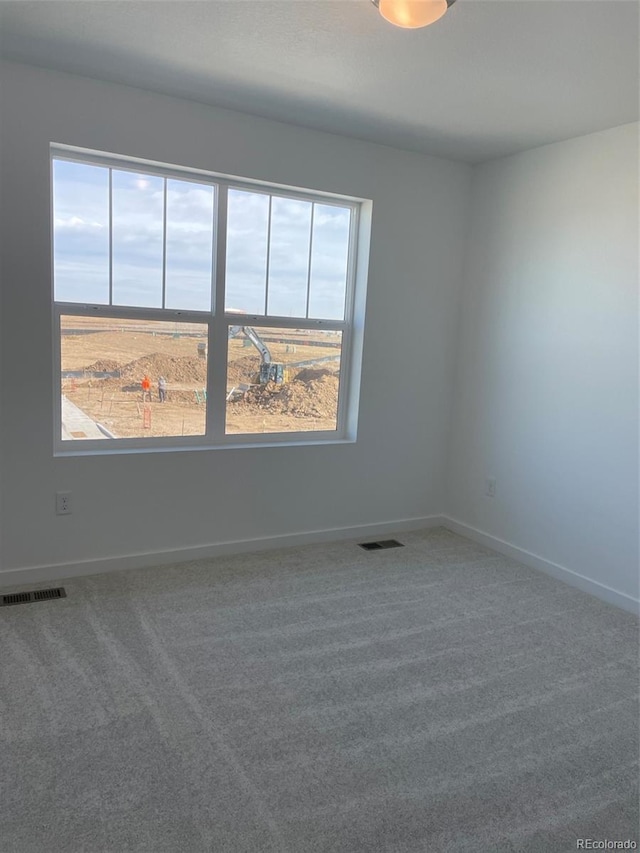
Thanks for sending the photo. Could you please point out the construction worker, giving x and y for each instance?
(146, 388)
(162, 389)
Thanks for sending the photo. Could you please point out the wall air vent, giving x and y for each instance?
(29, 597)
(385, 543)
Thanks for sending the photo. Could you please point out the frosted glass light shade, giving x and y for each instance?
(412, 13)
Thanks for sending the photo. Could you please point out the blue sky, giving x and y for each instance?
(81, 245)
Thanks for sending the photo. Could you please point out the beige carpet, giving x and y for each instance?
(436, 697)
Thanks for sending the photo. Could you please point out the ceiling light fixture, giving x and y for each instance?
(411, 14)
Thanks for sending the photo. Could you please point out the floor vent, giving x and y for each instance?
(28, 597)
(385, 543)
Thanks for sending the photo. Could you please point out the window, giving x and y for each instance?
(192, 309)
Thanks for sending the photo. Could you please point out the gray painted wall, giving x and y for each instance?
(546, 397)
(136, 503)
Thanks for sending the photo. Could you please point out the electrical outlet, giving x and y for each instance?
(63, 503)
(490, 487)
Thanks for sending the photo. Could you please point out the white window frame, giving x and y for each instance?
(217, 321)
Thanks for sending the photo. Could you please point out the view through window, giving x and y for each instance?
(282, 380)
(162, 336)
(132, 378)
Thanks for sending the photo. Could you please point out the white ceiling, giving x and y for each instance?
(491, 78)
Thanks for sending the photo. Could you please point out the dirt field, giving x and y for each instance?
(109, 359)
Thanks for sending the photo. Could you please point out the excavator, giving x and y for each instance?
(269, 371)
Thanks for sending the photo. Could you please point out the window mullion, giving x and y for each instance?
(110, 236)
(266, 274)
(351, 266)
(57, 377)
(313, 210)
(260, 321)
(217, 351)
(164, 246)
(130, 312)
(345, 373)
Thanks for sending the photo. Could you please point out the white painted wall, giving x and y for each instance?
(546, 398)
(128, 504)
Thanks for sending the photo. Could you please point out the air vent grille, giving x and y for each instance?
(29, 597)
(45, 594)
(16, 598)
(385, 543)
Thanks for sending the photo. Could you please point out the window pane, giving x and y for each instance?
(104, 363)
(282, 380)
(247, 228)
(289, 257)
(189, 245)
(80, 232)
(137, 226)
(329, 261)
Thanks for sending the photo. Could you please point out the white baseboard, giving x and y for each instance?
(79, 568)
(599, 590)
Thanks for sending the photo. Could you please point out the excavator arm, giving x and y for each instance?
(255, 339)
(269, 372)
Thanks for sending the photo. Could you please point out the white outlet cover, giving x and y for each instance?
(63, 503)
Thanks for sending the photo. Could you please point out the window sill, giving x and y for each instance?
(182, 448)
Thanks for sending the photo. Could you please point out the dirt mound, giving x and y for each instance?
(181, 369)
(315, 398)
(103, 365)
(243, 369)
(312, 374)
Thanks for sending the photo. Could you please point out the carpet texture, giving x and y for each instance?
(436, 697)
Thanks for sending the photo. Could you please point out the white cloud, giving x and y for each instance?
(77, 223)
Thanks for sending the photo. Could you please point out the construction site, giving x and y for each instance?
(134, 379)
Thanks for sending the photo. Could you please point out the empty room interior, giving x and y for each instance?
(319, 426)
